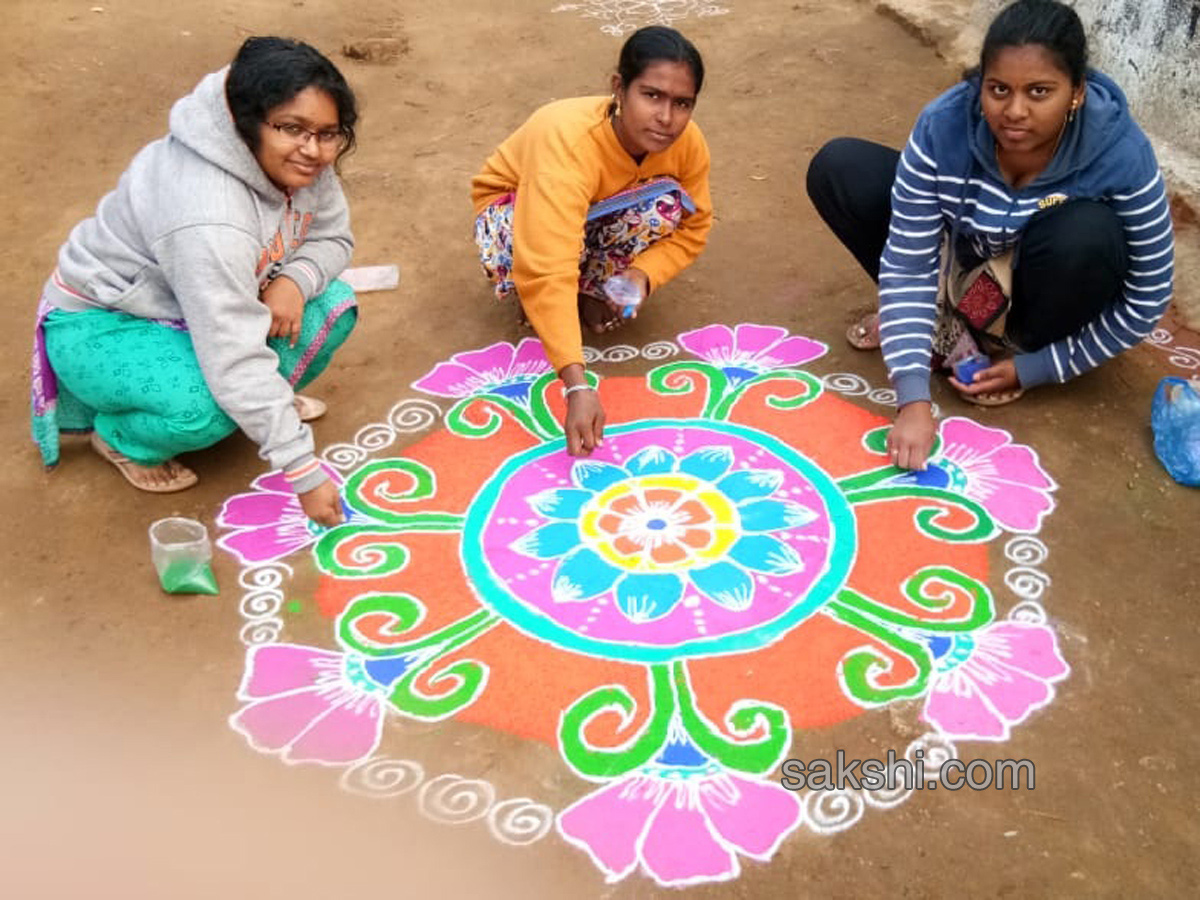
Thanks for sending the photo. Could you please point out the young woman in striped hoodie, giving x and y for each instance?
(1026, 217)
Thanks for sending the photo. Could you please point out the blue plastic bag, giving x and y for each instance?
(1175, 418)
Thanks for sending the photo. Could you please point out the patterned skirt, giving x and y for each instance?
(617, 229)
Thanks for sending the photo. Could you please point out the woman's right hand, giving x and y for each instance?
(911, 438)
(584, 425)
(323, 504)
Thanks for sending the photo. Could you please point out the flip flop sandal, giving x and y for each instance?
(994, 398)
(864, 334)
(310, 408)
(184, 477)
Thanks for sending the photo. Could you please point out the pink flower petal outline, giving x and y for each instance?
(679, 848)
(1006, 478)
(751, 340)
(274, 669)
(753, 816)
(259, 508)
(1009, 675)
(609, 824)
(712, 342)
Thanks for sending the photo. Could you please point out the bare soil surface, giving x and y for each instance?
(120, 776)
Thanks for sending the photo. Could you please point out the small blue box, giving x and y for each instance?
(965, 369)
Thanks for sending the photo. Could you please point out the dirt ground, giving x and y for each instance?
(119, 775)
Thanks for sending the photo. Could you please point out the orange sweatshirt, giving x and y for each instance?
(562, 160)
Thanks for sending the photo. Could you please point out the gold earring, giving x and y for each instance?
(616, 106)
(1071, 114)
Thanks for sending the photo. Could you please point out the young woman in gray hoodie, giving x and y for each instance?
(201, 295)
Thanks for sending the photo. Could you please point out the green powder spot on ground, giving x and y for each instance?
(295, 607)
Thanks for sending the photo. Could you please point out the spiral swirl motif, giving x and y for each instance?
(828, 812)
(1026, 551)
(1184, 357)
(937, 750)
(261, 631)
(1027, 583)
(883, 396)
(520, 821)
(454, 800)
(343, 456)
(1029, 612)
(591, 355)
(847, 383)
(1159, 337)
(261, 604)
(381, 778)
(409, 416)
(375, 436)
(620, 353)
(659, 350)
(266, 577)
(888, 798)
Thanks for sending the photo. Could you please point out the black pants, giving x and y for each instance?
(1069, 266)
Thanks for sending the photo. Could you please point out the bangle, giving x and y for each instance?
(568, 391)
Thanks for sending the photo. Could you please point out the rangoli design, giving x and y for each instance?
(736, 564)
(623, 16)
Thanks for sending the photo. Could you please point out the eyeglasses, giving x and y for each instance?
(298, 134)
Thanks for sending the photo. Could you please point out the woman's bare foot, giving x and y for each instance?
(597, 315)
(165, 478)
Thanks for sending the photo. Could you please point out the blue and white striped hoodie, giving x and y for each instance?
(948, 181)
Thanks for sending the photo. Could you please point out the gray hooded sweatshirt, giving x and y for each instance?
(192, 231)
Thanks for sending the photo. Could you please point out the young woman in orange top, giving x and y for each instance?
(595, 195)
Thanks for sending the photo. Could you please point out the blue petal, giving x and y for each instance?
(707, 463)
(682, 752)
(772, 515)
(939, 645)
(514, 390)
(750, 484)
(765, 554)
(739, 374)
(581, 576)
(651, 461)
(724, 583)
(644, 598)
(592, 475)
(930, 476)
(560, 503)
(388, 669)
(549, 541)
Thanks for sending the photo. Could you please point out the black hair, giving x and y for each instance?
(270, 71)
(657, 43)
(1046, 23)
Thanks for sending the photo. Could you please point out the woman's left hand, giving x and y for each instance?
(995, 378)
(642, 280)
(286, 303)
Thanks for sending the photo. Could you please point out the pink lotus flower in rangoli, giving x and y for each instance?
(681, 832)
(499, 369)
(310, 705)
(268, 523)
(748, 350)
(984, 464)
(993, 679)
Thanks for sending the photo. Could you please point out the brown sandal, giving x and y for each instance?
(181, 478)
(864, 334)
(994, 398)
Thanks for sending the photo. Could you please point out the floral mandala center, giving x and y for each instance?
(660, 523)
